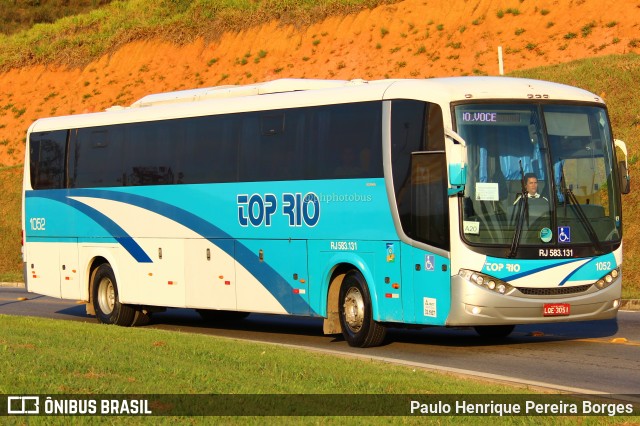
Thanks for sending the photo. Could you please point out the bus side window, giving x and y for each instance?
(209, 153)
(47, 159)
(419, 171)
(429, 199)
(281, 145)
(150, 154)
(96, 157)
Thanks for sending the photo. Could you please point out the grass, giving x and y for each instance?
(168, 361)
(586, 30)
(44, 356)
(21, 15)
(77, 40)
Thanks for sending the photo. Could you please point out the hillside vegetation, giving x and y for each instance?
(124, 50)
(20, 15)
(77, 40)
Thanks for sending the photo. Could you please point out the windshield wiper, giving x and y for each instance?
(571, 199)
(521, 213)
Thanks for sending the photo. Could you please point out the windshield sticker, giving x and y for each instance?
(564, 234)
(546, 235)
(487, 191)
(471, 227)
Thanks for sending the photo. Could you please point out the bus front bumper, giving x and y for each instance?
(472, 305)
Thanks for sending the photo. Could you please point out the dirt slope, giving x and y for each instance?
(411, 39)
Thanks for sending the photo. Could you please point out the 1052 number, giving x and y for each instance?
(38, 223)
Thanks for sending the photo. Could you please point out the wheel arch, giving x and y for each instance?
(332, 281)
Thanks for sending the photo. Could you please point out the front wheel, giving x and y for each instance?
(106, 303)
(356, 319)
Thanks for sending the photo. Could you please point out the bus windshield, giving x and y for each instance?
(539, 175)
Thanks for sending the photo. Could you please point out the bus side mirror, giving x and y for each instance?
(457, 163)
(457, 174)
(623, 168)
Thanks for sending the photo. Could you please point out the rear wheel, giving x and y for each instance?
(106, 303)
(356, 319)
(494, 331)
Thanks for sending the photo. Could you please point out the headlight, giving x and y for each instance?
(485, 281)
(608, 279)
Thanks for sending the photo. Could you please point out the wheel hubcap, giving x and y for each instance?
(354, 309)
(106, 296)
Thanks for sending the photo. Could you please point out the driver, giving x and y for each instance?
(531, 185)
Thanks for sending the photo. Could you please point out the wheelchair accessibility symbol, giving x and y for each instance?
(429, 262)
(564, 234)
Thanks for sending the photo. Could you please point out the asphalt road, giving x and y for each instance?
(584, 357)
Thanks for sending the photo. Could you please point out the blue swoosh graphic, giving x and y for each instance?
(111, 227)
(540, 269)
(264, 273)
(575, 271)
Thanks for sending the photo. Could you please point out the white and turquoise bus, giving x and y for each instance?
(370, 204)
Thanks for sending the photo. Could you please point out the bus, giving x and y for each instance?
(370, 204)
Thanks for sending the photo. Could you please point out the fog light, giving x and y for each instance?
(616, 303)
(475, 310)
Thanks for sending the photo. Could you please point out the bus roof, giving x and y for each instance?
(275, 86)
(292, 93)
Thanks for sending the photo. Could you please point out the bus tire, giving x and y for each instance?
(494, 331)
(141, 317)
(356, 317)
(106, 303)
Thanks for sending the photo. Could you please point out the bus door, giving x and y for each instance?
(430, 272)
(272, 276)
(430, 278)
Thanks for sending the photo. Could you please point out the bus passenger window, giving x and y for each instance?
(47, 152)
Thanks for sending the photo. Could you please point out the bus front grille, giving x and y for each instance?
(554, 291)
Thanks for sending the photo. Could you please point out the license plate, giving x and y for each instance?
(556, 309)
